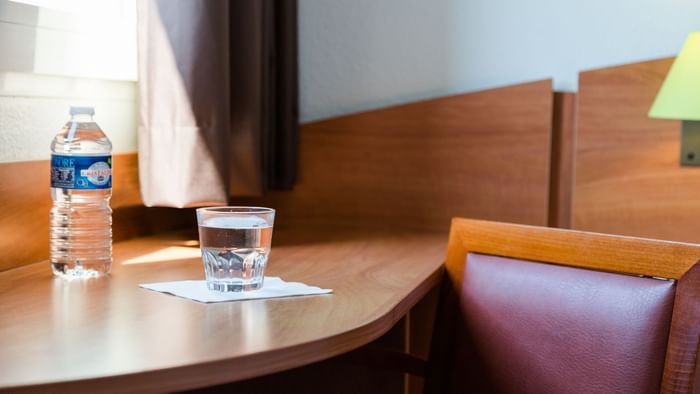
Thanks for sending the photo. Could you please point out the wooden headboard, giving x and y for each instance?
(481, 155)
(628, 177)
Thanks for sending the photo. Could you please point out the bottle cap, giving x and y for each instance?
(82, 110)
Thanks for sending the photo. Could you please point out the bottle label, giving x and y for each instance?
(81, 172)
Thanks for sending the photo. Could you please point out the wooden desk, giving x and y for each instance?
(112, 336)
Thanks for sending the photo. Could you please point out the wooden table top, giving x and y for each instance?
(111, 335)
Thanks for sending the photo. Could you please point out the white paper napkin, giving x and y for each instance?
(196, 290)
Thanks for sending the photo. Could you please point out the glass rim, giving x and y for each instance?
(237, 209)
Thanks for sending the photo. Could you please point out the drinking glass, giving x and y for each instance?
(235, 244)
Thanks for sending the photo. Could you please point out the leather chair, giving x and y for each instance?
(541, 310)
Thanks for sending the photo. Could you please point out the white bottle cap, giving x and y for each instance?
(82, 110)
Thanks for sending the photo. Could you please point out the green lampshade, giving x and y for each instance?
(679, 96)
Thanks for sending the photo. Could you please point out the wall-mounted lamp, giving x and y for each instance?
(679, 98)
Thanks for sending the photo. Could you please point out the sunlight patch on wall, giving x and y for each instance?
(77, 38)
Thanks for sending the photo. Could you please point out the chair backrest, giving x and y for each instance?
(541, 310)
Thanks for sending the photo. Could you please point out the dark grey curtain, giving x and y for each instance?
(218, 99)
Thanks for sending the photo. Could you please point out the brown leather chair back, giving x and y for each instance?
(542, 328)
(519, 318)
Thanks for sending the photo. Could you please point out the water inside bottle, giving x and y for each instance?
(81, 219)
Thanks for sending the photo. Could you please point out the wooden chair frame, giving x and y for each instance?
(629, 255)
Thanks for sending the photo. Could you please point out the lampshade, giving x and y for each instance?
(679, 96)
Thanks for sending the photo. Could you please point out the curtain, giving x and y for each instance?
(218, 109)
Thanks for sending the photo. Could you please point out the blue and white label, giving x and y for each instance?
(81, 172)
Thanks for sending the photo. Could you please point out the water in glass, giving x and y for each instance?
(235, 251)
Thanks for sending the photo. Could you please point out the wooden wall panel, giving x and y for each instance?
(628, 177)
(25, 201)
(415, 166)
(482, 155)
(562, 159)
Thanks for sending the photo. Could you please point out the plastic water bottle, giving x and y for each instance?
(81, 186)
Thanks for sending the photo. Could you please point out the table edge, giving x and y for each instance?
(245, 367)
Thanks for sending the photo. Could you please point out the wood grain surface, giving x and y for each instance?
(419, 333)
(603, 252)
(483, 155)
(25, 201)
(109, 335)
(612, 253)
(562, 159)
(628, 177)
(682, 363)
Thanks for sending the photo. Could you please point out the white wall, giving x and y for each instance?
(363, 54)
(76, 38)
(58, 53)
(34, 107)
